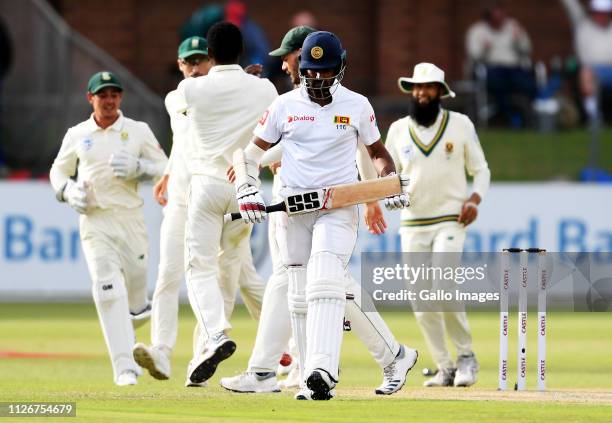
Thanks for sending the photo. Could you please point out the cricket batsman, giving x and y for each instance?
(110, 154)
(435, 147)
(275, 325)
(320, 126)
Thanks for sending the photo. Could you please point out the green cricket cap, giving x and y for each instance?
(102, 80)
(292, 40)
(191, 46)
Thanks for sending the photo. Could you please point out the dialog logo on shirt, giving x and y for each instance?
(296, 118)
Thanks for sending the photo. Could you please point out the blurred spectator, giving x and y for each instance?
(304, 18)
(6, 57)
(502, 45)
(256, 45)
(593, 44)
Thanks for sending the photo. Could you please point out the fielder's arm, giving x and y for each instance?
(64, 166)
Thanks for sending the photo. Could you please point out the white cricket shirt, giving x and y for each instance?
(223, 108)
(92, 146)
(182, 147)
(436, 158)
(319, 142)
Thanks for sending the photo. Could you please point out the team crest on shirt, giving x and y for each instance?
(449, 147)
(87, 144)
(124, 136)
(345, 120)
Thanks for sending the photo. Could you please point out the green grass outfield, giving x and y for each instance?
(531, 156)
(580, 374)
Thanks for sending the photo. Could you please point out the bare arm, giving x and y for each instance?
(264, 145)
(381, 158)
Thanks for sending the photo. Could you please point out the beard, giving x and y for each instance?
(425, 114)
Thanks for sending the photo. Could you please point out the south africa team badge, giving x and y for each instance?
(449, 148)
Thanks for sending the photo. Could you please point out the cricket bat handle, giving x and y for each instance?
(278, 207)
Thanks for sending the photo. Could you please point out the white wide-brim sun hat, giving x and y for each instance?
(424, 73)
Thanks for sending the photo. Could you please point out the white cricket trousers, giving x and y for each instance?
(164, 319)
(316, 248)
(274, 328)
(115, 247)
(441, 238)
(209, 198)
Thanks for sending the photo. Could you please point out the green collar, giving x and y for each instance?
(427, 149)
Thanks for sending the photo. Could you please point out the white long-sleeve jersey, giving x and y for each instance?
(182, 148)
(90, 146)
(223, 108)
(436, 159)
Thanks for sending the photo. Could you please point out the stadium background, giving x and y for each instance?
(52, 350)
(57, 45)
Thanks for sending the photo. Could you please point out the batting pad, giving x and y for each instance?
(297, 310)
(326, 302)
(324, 331)
(326, 277)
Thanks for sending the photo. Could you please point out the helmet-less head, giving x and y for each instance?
(322, 64)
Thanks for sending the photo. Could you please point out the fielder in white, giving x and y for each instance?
(223, 108)
(111, 153)
(435, 147)
(192, 62)
(320, 126)
(275, 324)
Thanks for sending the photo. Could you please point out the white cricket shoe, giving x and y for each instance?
(154, 359)
(444, 377)
(321, 385)
(218, 348)
(189, 383)
(305, 394)
(292, 380)
(285, 365)
(467, 367)
(251, 382)
(126, 378)
(394, 375)
(141, 317)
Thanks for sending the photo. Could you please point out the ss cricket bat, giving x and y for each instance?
(334, 197)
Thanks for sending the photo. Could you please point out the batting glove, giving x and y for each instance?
(402, 200)
(251, 205)
(75, 194)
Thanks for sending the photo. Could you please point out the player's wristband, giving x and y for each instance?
(471, 204)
